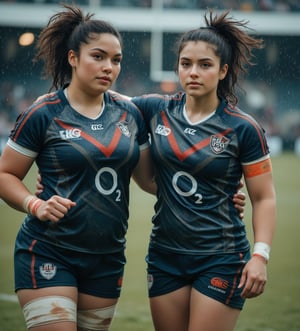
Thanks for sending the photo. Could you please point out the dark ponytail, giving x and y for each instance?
(231, 43)
(67, 30)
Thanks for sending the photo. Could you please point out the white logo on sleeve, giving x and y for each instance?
(162, 130)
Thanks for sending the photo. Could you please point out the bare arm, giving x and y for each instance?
(262, 195)
(13, 168)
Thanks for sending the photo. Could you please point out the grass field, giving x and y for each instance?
(278, 309)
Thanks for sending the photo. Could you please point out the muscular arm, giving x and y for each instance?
(13, 168)
(262, 195)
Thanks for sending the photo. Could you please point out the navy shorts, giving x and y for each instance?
(215, 276)
(39, 265)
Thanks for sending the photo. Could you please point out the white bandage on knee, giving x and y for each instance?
(49, 309)
(95, 319)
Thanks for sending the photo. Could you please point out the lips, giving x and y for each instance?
(104, 79)
(194, 84)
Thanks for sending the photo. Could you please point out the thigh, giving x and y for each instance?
(170, 312)
(86, 302)
(26, 295)
(95, 313)
(210, 315)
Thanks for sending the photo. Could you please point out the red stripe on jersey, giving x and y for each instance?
(201, 144)
(107, 151)
(261, 138)
(32, 264)
(30, 114)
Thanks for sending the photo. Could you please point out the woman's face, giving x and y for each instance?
(199, 69)
(99, 63)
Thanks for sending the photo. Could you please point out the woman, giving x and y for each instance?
(200, 270)
(87, 142)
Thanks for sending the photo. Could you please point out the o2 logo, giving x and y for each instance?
(107, 191)
(192, 191)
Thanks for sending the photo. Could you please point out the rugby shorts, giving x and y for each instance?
(216, 276)
(39, 264)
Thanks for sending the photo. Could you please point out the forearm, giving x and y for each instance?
(264, 220)
(13, 191)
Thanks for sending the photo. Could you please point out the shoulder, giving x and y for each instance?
(40, 113)
(49, 99)
(158, 101)
(250, 133)
(239, 117)
(119, 100)
(115, 96)
(45, 103)
(122, 103)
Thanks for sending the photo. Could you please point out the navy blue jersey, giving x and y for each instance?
(198, 168)
(89, 161)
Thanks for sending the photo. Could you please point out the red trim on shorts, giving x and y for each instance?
(234, 284)
(32, 264)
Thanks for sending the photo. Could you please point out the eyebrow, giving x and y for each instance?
(104, 52)
(201, 59)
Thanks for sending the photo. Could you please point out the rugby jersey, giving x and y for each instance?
(198, 168)
(89, 161)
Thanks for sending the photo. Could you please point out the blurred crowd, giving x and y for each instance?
(244, 5)
(14, 99)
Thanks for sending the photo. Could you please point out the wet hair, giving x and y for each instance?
(231, 43)
(67, 30)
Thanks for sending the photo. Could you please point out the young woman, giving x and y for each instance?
(87, 142)
(200, 270)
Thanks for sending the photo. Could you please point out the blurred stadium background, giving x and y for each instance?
(150, 29)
